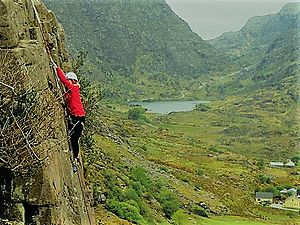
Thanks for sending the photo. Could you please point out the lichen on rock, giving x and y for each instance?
(39, 186)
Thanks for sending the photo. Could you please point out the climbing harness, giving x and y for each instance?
(81, 181)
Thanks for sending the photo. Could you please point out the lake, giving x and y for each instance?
(165, 107)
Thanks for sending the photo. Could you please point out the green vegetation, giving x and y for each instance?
(296, 159)
(230, 221)
(266, 54)
(165, 169)
(136, 113)
(202, 107)
(128, 193)
(264, 179)
(169, 202)
(126, 210)
(184, 167)
(197, 210)
(138, 49)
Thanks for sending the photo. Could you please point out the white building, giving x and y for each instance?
(276, 164)
(290, 163)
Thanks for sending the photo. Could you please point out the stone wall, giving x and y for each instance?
(51, 193)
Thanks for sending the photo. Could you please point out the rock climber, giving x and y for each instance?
(75, 110)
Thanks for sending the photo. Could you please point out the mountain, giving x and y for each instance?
(266, 51)
(141, 41)
(255, 38)
(198, 167)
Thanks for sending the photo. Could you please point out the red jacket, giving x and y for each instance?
(72, 95)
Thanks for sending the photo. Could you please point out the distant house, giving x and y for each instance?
(281, 164)
(276, 164)
(290, 164)
(284, 191)
(264, 197)
(292, 191)
(292, 202)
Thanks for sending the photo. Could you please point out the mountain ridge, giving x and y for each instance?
(198, 167)
(266, 52)
(139, 49)
(259, 31)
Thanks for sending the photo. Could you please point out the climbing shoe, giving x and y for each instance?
(75, 165)
(75, 168)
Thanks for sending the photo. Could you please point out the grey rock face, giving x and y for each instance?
(51, 193)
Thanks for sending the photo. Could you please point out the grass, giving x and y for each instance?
(174, 147)
(230, 220)
(182, 218)
(280, 173)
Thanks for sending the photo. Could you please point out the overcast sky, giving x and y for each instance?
(211, 18)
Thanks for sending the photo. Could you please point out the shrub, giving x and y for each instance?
(138, 187)
(131, 194)
(113, 189)
(144, 147)
(200, 172)
(202, 107)
(169, 202)
(296, 159)
(136, 113)
(264, 179)
(272, 189)
(133, 203)
(139, 174)
(125, 211)
(199, 211)
(213, 148)
(87, 141)
(261, 164)
(180, 218)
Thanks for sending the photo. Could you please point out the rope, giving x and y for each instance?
(52, 61)
(82, 187)
(41, 28)
(45, 42)
(48, 52)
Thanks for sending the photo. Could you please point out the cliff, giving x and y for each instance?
(37, 184)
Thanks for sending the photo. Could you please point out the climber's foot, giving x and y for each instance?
(75, 165)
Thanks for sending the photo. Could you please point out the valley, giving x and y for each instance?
(220, 162)
(198, 167)
(214, 159)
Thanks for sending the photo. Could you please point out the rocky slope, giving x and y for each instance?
(260, 35)
(40, 188)
(143, 35)
(136, 45)
(266, 51)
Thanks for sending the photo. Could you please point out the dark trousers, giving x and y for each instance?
(75, 127)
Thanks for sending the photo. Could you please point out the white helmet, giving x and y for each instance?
(71, 76)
